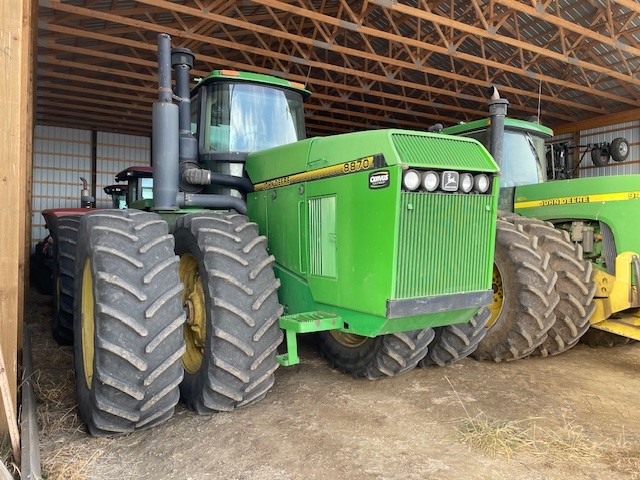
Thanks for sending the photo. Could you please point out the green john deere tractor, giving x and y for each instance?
(375, 241)
(583, 232)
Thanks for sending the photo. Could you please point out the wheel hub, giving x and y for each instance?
(87, 323)
(193, 299)
(349, 340)
(498, 297)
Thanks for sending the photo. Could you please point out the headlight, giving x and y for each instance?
(466, 182)
(481, 183)
(430, 181)
(411, 180)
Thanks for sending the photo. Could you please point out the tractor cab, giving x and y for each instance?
(524, 161)
(233, 114)
(118, 194)
(245, 112)
(139, 189)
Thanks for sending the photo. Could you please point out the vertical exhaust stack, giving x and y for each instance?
(497, 112)
(165, 134)
(86, 199)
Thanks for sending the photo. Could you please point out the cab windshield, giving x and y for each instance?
(245, 117)
(524, 161)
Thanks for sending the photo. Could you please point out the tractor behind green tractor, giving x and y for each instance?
(377, 242)
(582, 229)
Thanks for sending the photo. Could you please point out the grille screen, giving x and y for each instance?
(454, 231)
(442, 153)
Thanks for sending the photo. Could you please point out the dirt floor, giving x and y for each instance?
(570, 416)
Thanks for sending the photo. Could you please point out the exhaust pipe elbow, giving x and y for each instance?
(493, 93)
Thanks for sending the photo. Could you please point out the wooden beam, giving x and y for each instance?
(371, 55)
(517, 43)
(320, 64)
(30, 464)
(15, 68)
(599, 121)
(425, 46)
(540, 12)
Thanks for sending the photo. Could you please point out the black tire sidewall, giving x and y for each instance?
(83, 392)
(599, 158)
(508, 315)
(241, 308)
(353, 360)
(615, 149)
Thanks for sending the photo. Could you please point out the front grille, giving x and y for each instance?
(443, 244)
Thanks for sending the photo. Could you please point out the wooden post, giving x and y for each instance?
(9, 411)
(30, 59)
(15, 136)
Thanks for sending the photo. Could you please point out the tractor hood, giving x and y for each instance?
(330, 156)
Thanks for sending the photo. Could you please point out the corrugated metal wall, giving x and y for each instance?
(629, 130)
(62, 155)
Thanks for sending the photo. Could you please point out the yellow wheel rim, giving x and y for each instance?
(498, 297)
(350, 340)
(195, 330)
(87, 323)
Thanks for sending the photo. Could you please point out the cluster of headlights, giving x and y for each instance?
(446, 181)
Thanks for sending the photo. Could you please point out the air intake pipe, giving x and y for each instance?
(182, 62)
(165, 134)
(192, 176)
(201, 176)
(225, 202)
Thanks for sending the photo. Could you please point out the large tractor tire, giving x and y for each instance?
(524, 296)
(574, 285)
(64, 278)
(594, 338)
(372, 358)
(455, 342)
(128, 322)
(230, 294)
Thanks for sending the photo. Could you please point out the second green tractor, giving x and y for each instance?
(579, 234)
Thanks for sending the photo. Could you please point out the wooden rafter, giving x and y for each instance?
(371, 64)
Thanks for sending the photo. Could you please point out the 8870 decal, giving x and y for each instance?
(357, 165)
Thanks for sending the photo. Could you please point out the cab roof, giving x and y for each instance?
(234, 75)
(509, 123)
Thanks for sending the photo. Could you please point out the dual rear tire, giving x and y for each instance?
(145, 317)
(543, 291)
